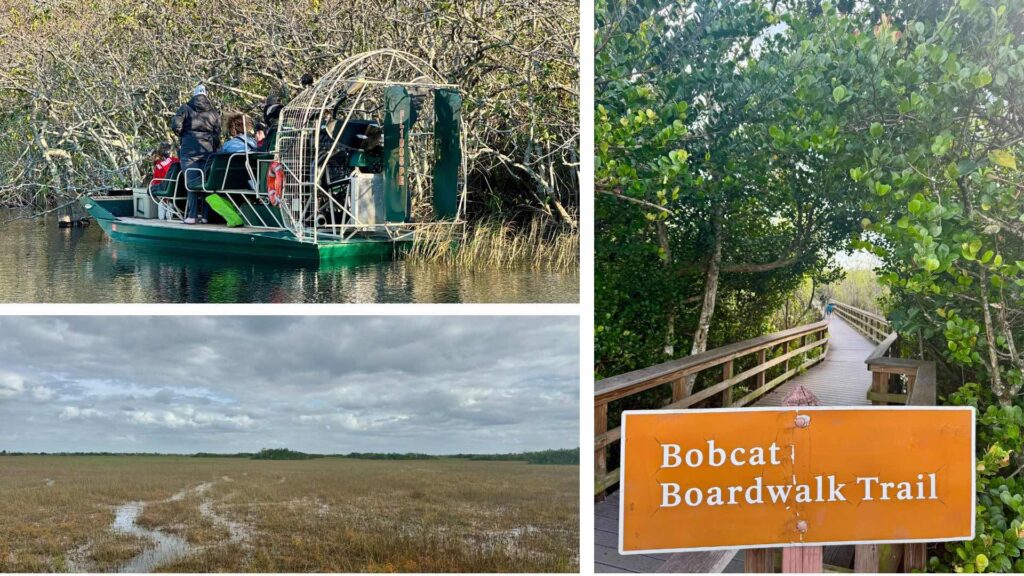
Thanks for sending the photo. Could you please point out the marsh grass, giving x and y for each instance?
(182, 518)
(329, 515)
(499, 244)
(109, 551)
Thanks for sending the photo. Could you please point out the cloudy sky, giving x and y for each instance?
(318, 384)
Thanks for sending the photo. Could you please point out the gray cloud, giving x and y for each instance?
(321, 384)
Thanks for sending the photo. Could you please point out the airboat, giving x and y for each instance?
(358, 162)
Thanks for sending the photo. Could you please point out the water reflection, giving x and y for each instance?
(43, 263)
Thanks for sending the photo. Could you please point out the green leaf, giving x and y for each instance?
(1004, 158)
(981, 562)
(839, 94)
(914, 205)
(875, 130)
(982, 78)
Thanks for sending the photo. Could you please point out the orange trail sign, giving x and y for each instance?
(765, 477)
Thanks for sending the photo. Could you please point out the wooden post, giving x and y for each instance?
(865, 558)
(915, 557)
(600, 454)
(785, 350)
(802, 558)
(762, 355)
(678, 389)
(727, 393)
(879, 385)
(759, 560)
(889, 557)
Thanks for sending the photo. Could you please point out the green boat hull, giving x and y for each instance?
(252, 243)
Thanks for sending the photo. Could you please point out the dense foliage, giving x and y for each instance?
(558, 456)
(780, 133)
(87, 87)
(716, 193)
(283, 454)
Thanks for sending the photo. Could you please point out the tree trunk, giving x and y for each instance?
(995, 379)
(670, 316)
(707, 309)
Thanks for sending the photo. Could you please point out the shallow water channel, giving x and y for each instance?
(166, 547)
(41, 262)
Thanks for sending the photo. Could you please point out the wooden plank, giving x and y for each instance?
(802, 559)
(606, 512)
(678, 389)
(923, 392)
(632, 563)
(879, 384)
(726, 375)
(607, 524)
(894, 365)
(601, 568)
(762, 356)
(915, 557)
(609, 539)
(630, 383)
(602, 440)
(882, 349)
(600, 453)
(865, 558)
(713, 561)
(889, 557)
(609, 480)
(879, 398)
(759, 560)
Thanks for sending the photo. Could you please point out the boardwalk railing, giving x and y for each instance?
(808, 342)
(874, 327)
(894, 380)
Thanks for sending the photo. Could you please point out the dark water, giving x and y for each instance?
(40, 262)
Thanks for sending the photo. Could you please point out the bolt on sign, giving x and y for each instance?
(767, 477)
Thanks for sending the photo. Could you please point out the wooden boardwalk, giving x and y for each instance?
(841, 379)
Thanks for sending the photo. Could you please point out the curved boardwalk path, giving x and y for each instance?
(841, 379)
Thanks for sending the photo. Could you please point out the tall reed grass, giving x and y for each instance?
(493, 243)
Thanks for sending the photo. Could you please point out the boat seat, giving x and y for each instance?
(170, 184)
(227, 171)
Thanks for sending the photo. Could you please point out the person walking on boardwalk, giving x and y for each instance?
(828, 309)
(197, 123)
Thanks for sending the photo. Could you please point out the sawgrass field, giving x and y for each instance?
(189, 514)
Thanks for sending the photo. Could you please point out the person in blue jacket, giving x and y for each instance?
(239, 139)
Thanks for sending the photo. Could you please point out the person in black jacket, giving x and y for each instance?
(198, 124)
